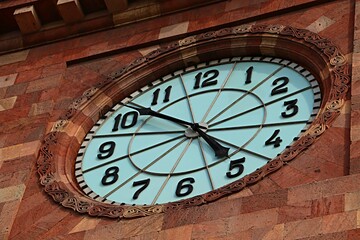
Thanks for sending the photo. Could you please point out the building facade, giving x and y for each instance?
(64, 64)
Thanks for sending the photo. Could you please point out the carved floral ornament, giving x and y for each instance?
(59, 148)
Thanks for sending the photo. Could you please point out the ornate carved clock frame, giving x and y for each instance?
(60, 146)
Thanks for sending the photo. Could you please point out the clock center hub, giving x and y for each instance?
(190, 133)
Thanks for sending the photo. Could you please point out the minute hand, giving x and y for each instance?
(148, 111)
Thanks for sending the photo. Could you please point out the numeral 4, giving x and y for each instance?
(274, 139)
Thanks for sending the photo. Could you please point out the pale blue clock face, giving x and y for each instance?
(209, 125)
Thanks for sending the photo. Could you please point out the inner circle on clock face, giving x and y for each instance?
(162, 165)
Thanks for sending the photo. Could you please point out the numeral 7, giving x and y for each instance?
(144, 184)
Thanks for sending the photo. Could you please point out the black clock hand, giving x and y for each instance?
(219, 150)
(148, 111)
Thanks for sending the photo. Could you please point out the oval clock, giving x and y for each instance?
(197, 130)
(194, 121)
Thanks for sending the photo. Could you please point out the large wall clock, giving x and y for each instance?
(197, 130)
(194, 121)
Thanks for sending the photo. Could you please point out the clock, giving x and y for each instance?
(197, 130)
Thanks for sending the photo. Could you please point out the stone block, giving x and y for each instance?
(258, 219)
(19, 150)
(41, 108)
(44, 83)
(352, 201)
(173, 30)
(8, 80)
(7, 103)
(12, 193)
(70, 10)
(320, 24)
(116, 5)
(27, 19)
(13, 57)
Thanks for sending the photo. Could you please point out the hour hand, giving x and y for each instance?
(220, 151)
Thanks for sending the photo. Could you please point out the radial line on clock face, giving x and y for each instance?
(172, 170)
(200, 145)
(244, 95)
(218, 93)
(146, 167)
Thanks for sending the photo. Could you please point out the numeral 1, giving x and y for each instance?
(249, 74)
(156, 95)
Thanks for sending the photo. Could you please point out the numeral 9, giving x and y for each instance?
(106, 150)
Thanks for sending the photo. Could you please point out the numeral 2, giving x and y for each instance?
(281, 87)
(123, 121)
(156, 95)
(209, 81)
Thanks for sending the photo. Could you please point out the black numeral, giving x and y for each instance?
(292, 107)
(124, 121)
(280, 88)
(236, 164)
(274, 140)
(209, 81)
(156, 95)
(188, 187)
(111, 176)
(249, 75)
(106, 150)
(144, 184)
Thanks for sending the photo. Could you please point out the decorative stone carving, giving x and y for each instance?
(336, 85)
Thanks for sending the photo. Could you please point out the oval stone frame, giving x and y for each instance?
(60, 146)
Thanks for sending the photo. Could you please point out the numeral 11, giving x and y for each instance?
(156, 95)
